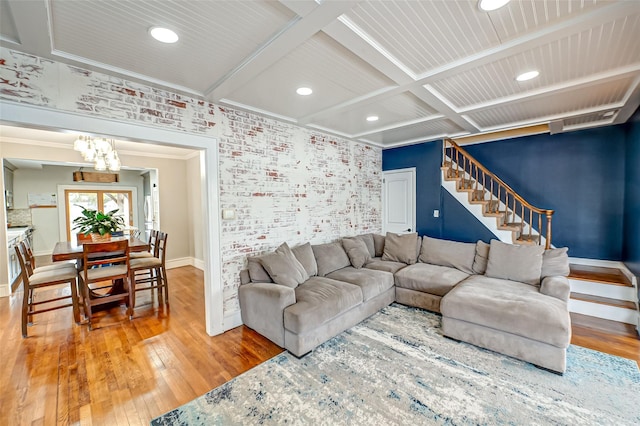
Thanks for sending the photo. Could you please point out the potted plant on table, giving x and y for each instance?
(97, 224)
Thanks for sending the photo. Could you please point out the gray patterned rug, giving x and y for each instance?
(397, 368)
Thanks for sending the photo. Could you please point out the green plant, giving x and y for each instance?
(96, 222)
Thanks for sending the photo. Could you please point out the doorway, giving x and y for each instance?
(27, 116)
(399, 201)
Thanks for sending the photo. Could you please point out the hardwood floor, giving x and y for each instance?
(122, 372)
(127, 372)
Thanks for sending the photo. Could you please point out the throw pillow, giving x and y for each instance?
(555, 262)
(401, 248)
(357, 251)
(448, 253)
(283, 267)
(515, 262)
(305, 256)
(330, 257)
(481, 258)
(378, 245)
(257, 273)
(368, 241)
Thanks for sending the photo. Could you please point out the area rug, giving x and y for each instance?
(397, 368)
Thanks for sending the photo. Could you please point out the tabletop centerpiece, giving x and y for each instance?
(98, 225)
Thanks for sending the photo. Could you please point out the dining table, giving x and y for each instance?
(72, 250)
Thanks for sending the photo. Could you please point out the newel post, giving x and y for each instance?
(547, 245)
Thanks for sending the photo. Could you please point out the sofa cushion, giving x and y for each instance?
(283, 267)
(448, 253)
(515, 262)
(509, 306)
(371, 282)
(555, 262)
(330, 257)
(378, 245)
(401, 248)
(368, 241)
(257, 273)
(305, 256)
(385, 265)
(319, 300)
(481, 258)
(357, 251)
(432, 279)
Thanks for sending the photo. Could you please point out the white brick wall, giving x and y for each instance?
(285, 182)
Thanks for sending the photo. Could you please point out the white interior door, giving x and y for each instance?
(399, 201)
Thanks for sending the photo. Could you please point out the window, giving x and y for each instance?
(102, 200)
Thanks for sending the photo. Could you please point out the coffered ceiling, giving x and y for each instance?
(427, 69)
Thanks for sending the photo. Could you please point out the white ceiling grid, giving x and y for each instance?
(427, 69)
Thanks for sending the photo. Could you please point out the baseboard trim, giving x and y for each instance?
(5, 290)
(185, 261)
(231, 320)
(198, 263)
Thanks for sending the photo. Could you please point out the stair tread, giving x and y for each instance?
(603, 300)
(600, 274)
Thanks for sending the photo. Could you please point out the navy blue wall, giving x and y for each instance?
(430, 196)
(578, 174)
(631, 248)
(581, 175)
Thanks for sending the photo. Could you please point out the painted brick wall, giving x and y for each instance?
(290, 184)
(37, 81)
(286, 183)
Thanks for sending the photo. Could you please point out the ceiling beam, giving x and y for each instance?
(296, 33)
(632, 99)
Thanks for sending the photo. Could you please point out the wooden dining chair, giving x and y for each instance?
(105, 266)
(35, 281)
(153, 238)
(149, 273)
(30, 261)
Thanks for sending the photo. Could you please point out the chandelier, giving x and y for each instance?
(101, 151)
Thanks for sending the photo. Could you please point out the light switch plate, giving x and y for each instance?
(436, 213)
(228, 214)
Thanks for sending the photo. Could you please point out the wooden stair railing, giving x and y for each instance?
(513, 211)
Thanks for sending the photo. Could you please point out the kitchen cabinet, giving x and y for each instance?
(14, 264)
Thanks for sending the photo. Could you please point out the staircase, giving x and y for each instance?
(503, 211)
(602, 292)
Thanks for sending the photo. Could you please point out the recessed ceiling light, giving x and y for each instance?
(165, 35)
(527, 75)
(304, 91)
(489, 5)
(372, 118)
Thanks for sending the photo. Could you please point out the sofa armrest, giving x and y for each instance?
(262, 308)
(557, 287)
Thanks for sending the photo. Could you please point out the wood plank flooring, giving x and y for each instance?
(126, 373)
(602, 274)
(122, 372)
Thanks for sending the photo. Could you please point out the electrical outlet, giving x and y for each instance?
(436, 213)
(228, 214)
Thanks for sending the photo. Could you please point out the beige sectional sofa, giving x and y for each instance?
(508, 298)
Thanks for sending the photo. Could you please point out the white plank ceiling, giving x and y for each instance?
(427, 69)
